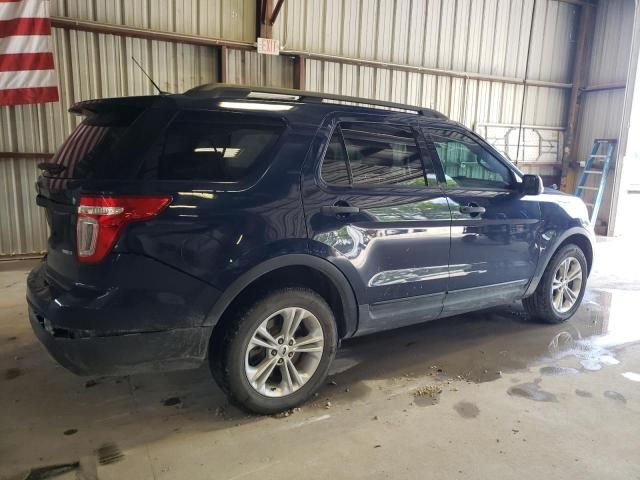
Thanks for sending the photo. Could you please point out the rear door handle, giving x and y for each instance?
(339, 210)
(472, 209)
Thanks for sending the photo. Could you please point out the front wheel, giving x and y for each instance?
(561, 288)
(278, 352)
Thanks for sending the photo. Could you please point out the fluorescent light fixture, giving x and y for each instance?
(274, 96)
(227, 152)
(274, 107)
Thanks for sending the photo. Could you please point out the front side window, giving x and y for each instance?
(216, 147)
(374, 154)
(466, 163)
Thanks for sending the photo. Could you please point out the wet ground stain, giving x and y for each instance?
(71, 431)
(11, 373)
(52, 471)
(532, 391)
(171, 401)
(583, 393)
(467, 409)
(108, 453)
(613, 395)
(558, 371)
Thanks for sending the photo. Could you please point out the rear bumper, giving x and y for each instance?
(152, 319)
(124, 354)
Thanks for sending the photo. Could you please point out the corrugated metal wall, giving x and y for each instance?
(477, 36)
(485, 36)
(229, 19)
(89, 65)
(250, 68)
(602, 110)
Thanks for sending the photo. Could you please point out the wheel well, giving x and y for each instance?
(583, 244)
(295, 275)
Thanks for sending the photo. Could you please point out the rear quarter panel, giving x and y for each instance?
(217, 232)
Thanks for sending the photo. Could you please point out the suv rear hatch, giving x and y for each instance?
(106, 150)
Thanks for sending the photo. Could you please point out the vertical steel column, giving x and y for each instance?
(299, 72)
(581, 64)
(264, 10)
(223, 55)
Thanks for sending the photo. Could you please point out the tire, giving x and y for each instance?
(541, 306)
(246, 351)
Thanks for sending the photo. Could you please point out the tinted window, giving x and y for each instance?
(334, 165)
(376, 155)
(92, 149)
(466, 163)
(216, 147)
(382, 154)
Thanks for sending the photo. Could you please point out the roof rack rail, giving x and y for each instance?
(231, 91)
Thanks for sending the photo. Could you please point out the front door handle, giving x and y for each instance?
(339, 210)
(472, 209)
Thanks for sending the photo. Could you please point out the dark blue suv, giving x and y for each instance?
(256, 228)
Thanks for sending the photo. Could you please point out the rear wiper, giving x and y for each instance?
(51, 167)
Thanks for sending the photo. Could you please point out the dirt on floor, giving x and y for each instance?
(484, 395)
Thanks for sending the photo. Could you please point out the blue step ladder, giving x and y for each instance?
(601, 154)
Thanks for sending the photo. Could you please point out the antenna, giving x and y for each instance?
(147, 75)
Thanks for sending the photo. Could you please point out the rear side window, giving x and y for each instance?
(216, 147)
(374, 154)
(90, 151)
(334, 165)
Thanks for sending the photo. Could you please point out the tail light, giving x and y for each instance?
(101, 219)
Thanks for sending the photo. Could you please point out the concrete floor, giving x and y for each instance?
(502, 398)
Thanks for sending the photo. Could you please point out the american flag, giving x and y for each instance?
(27, 72)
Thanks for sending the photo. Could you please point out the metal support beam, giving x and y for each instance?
(428, 70)
(580, 3)
(136, 32)
(27, 155)
(582, 59)
(621, 152)
(299, 72)
(276, 12)
(264, 11)
(603, 87)
(223, 56)
(126, 31)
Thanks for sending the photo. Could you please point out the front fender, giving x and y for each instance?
(550, 242)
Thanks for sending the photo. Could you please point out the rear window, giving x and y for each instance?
(216, 147)
(91, 151)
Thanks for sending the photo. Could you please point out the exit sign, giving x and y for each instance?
(268, 46)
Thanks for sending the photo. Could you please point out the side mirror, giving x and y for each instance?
(531, 185)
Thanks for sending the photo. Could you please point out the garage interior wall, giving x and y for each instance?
(602, 110)
(475, 52)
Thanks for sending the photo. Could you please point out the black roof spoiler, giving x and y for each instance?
(89, 107)
(243, 92)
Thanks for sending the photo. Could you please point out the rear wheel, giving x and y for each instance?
(561, 288)
(278, 352)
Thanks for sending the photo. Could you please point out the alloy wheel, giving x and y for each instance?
(284, 352)
(566, 285)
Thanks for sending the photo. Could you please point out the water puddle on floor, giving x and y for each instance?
(480, 346)
(532, 391)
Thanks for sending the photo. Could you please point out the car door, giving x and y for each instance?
(493, 228)
(373, 206)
